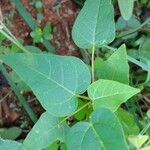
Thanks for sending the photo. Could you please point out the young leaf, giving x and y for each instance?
(45, 132)
(102, 132)
(47, 32)
(110, 94)
(108, 69)
(9, 145)
(126, 8)
(94, 25)
(55, 80)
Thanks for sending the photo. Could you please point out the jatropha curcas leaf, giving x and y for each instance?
(103, 131)
(126, 8)
(95, 24)
(46, 131)
(110, 94)
(55, 80)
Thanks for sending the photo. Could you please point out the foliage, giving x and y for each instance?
(40, 35)
(62, 84)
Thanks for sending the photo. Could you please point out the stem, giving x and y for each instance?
(14, 41)
(7, 30)
(144, 129)
(21, 99)
(93, 52)
(83, 97)
(76, 112)
(134, 30)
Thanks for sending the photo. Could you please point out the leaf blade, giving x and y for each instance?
(49, 128)
(9, 144)
(95, 135)
(126, 8)
(110, 94)
(108, 69)
(55, 80)
(91, 24)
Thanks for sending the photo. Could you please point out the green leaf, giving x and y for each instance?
(37, 35)
(10, 133)
(126, 8)
(9, 145)
(132, 23)
(47, 32)
(95, 24)
(110, 94)
(139, 140)
(45, 132)
(108, 69)
(55, 80)
(127, 121)
(102, 132)
(124, 26)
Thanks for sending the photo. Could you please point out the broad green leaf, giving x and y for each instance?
(45, 132)
(139, 140)
(9, 145)
(10, 133)
(116, 67)
(126, 8)
(127, 121)
(55, 80)
(104, 131)
(110, 94)
(95, 24)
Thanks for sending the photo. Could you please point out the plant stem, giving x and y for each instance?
(21, 99)
(145, 129)
(78, 110)
(93, 52)
(12, 39)
(134, 30)
(83, 97)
